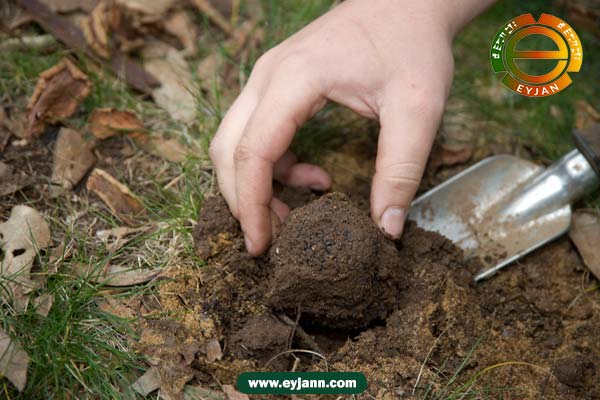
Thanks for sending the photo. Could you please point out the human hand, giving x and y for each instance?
(386, 60)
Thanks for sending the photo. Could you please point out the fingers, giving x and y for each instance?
(405, 140)
(289, 172)
(225, 141)
(269, 132)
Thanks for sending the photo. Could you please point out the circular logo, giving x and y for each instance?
(567, 55)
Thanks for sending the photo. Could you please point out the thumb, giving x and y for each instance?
(405, 141)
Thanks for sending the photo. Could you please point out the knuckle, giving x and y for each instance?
(241, 154)
(215, 150)
(401, 176)
(426, 101)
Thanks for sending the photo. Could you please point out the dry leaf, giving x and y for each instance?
(43, 304)
(20, 237)
(115, 195)
(233, 394)
(107, 122)
(69, 6)
(115, 307)
(213, 350)
(208, 71)
(119, 235)
(57, 95)
(585, 115)
(13, 361)
(95, 30)
(214, 15)
(147, 383)
(73, 158)
(200, 393)
(11, 181)
(180, 25)
(585, 234)
(158, 7)
(175, 93)
(116, 275)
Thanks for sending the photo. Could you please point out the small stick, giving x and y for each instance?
(214, 15)
(308, 340)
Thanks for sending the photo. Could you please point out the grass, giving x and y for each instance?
(78, 350)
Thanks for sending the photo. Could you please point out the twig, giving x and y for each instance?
(214, 15)
(306, 338)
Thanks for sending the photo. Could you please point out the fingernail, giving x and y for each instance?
(392, 221)
(319, 187)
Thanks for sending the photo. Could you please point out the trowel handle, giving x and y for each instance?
(588, 143)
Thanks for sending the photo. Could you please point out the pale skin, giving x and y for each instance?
(388, 60)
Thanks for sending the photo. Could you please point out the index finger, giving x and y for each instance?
(268, 134)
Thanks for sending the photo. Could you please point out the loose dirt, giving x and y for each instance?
(405, 313)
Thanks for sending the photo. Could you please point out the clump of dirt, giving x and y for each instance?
(405, 313)
(333, 264)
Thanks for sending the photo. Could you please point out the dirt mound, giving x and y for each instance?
(332, 263)
(407, 313)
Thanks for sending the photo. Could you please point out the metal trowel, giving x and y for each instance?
(504, 207)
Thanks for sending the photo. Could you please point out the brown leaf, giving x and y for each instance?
(73, 158)
(107, 122)
(200, 393)
(147, 383)
(116, 275)
(180, 25)
(175, 93)
(233, 394)
(585, 115)
(11, 181)
(157, 7)
(213, 350)
(115, 195)
(5, 133)
(69, 6)
(115, 307)
(95, 30)
(57, 95)
(13, 361)
(585, 234)
(20, 237)
(119, 236)
(214, 15)
(43, 304)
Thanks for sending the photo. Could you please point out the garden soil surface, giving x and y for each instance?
(406, 313)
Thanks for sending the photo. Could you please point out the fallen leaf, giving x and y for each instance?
(43, 304)
(20, 237)
(69, 6)
(585, 115)
(115, 195)
(147, 383)
(56, 96)
(95, 30)
(13, 361)
(4, 131)
(119, 235)
(11, 181)
(233, 394)
(116, 275)
(107, 122)
(180, 25)
(175, 93)
(208, 71)
(213, 350)
(214, 15)
(115, 307)
(73, 158)
(200, 393)
(585, 234)
(159, 7)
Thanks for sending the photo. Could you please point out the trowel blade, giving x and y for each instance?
(471, 210)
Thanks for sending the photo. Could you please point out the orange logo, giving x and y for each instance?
(568, 55)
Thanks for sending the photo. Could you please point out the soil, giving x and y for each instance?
(405, 313)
